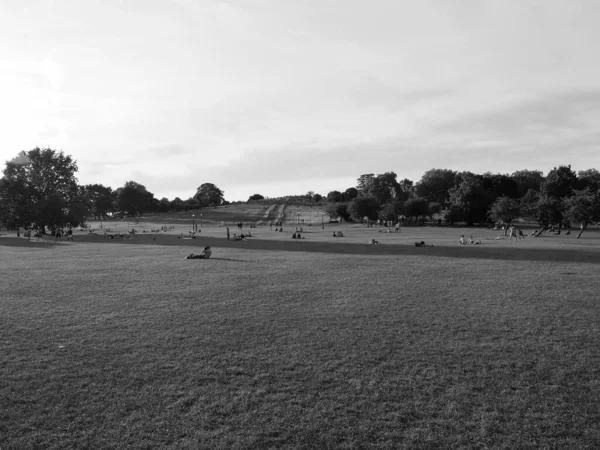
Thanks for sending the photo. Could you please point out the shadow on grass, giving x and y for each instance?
(516, 253)
(13, 241)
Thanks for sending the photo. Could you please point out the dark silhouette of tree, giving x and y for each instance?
(435, 185)
(362, 207)
(350, 194)
(526, 180)
(133, 199)
(255, 197)
(209, 195)
(334, 196)
(583, 207)
(39, 187)
(504, 209)
(416, 207)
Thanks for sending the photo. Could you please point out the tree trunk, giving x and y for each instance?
(583, 227)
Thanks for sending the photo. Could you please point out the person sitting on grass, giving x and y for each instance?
(340, 234)
(462, 240)
(334, 235)
(204, 254)
(373, 241)
(294, 236)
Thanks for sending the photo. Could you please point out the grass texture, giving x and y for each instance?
(333, 345)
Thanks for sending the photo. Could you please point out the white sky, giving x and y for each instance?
(284, 96)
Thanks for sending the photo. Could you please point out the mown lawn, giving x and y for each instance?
(125, 346)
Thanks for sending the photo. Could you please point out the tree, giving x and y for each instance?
(559, 183)
(362, 207)
(435, 185)
(255, 197)
(434, 208)
(416, 207)
(526, 180)
(499, 185)
(39, 187)
(133, 199)
(317, 198)
(337, 210)
(209, 195)
(583, 207)
(350, 194)
(504, 209)
(334, 196)
(100, 199)
(528, 204)
(392, 210)
(589, 178)
(364, 183)
(469, 200)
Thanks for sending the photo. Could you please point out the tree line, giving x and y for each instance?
(39, 189)
(560, 198)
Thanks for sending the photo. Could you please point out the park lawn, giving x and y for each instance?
(110, 345)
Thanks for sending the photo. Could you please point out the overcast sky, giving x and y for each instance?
(285, 96)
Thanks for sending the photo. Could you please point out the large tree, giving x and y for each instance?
(435, 185)
(209, 195)
(39, 187)
(100, 199)
(583, 207)
(416, 207)
(133, 199)
(362, 207)
(504, 209)
(526, 180)
(469, 200)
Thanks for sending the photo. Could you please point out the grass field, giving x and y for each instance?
(319, 343)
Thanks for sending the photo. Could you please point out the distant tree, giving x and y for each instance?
(163, 205)
(528, 204)
(337, 210)
(133, 199)
(255, 197)
(559, 183)
(583, 207)
(209, 195)
(317, 198)
(309, 195)
(548, 211)
(416, 207)
(435, 185)
(589, 178)
(434, 208)
(526, 180)
(504, 209)
(350, 194)
(406, 190)
(39, 186)
(362, 207)
(100, 199)
(364, 183)
(334, 196)
(392, 210)
(499, 185)
(469, 199)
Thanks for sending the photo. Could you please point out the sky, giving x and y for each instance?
(281, 97)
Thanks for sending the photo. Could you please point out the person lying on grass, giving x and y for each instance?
(373, 241)
(204, 254)
(422, 244)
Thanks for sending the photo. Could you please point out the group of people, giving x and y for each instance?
(464, 241)
(338, 234)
